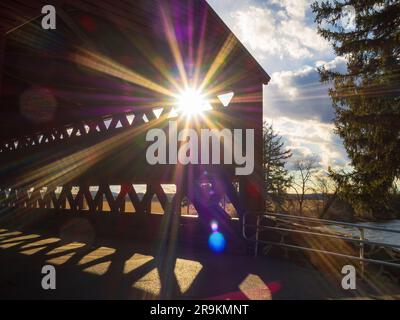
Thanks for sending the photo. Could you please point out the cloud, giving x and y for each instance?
(279, 29)
(299, 94)
(348, 19)
(294, 8)
(298, 106)
(310, 137)
(339, 64)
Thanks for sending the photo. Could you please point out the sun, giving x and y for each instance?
(192, 102)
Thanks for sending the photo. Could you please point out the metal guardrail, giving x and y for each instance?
(361, 241)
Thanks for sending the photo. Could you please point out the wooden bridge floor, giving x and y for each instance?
(109, 269)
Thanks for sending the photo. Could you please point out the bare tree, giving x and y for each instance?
(303, 182)
(328, 189)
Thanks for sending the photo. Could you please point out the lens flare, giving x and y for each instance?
(214, 226)
(191, 102)
(216, 242)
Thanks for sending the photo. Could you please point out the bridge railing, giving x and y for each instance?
(296, 225)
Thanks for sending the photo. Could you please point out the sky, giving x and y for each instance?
(282, 36)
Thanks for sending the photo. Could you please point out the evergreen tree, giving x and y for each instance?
(366, 97)
(277, 178)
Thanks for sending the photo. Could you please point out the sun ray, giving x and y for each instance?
(174, 45)
(105, 65)
(220, 59)
(200, 52)
(155, 59)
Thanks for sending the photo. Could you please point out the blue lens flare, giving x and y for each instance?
(214, 226)
(216, 242)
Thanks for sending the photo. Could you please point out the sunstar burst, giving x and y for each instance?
(192, 102)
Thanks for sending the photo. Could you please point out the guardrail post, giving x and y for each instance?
(362, 238)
